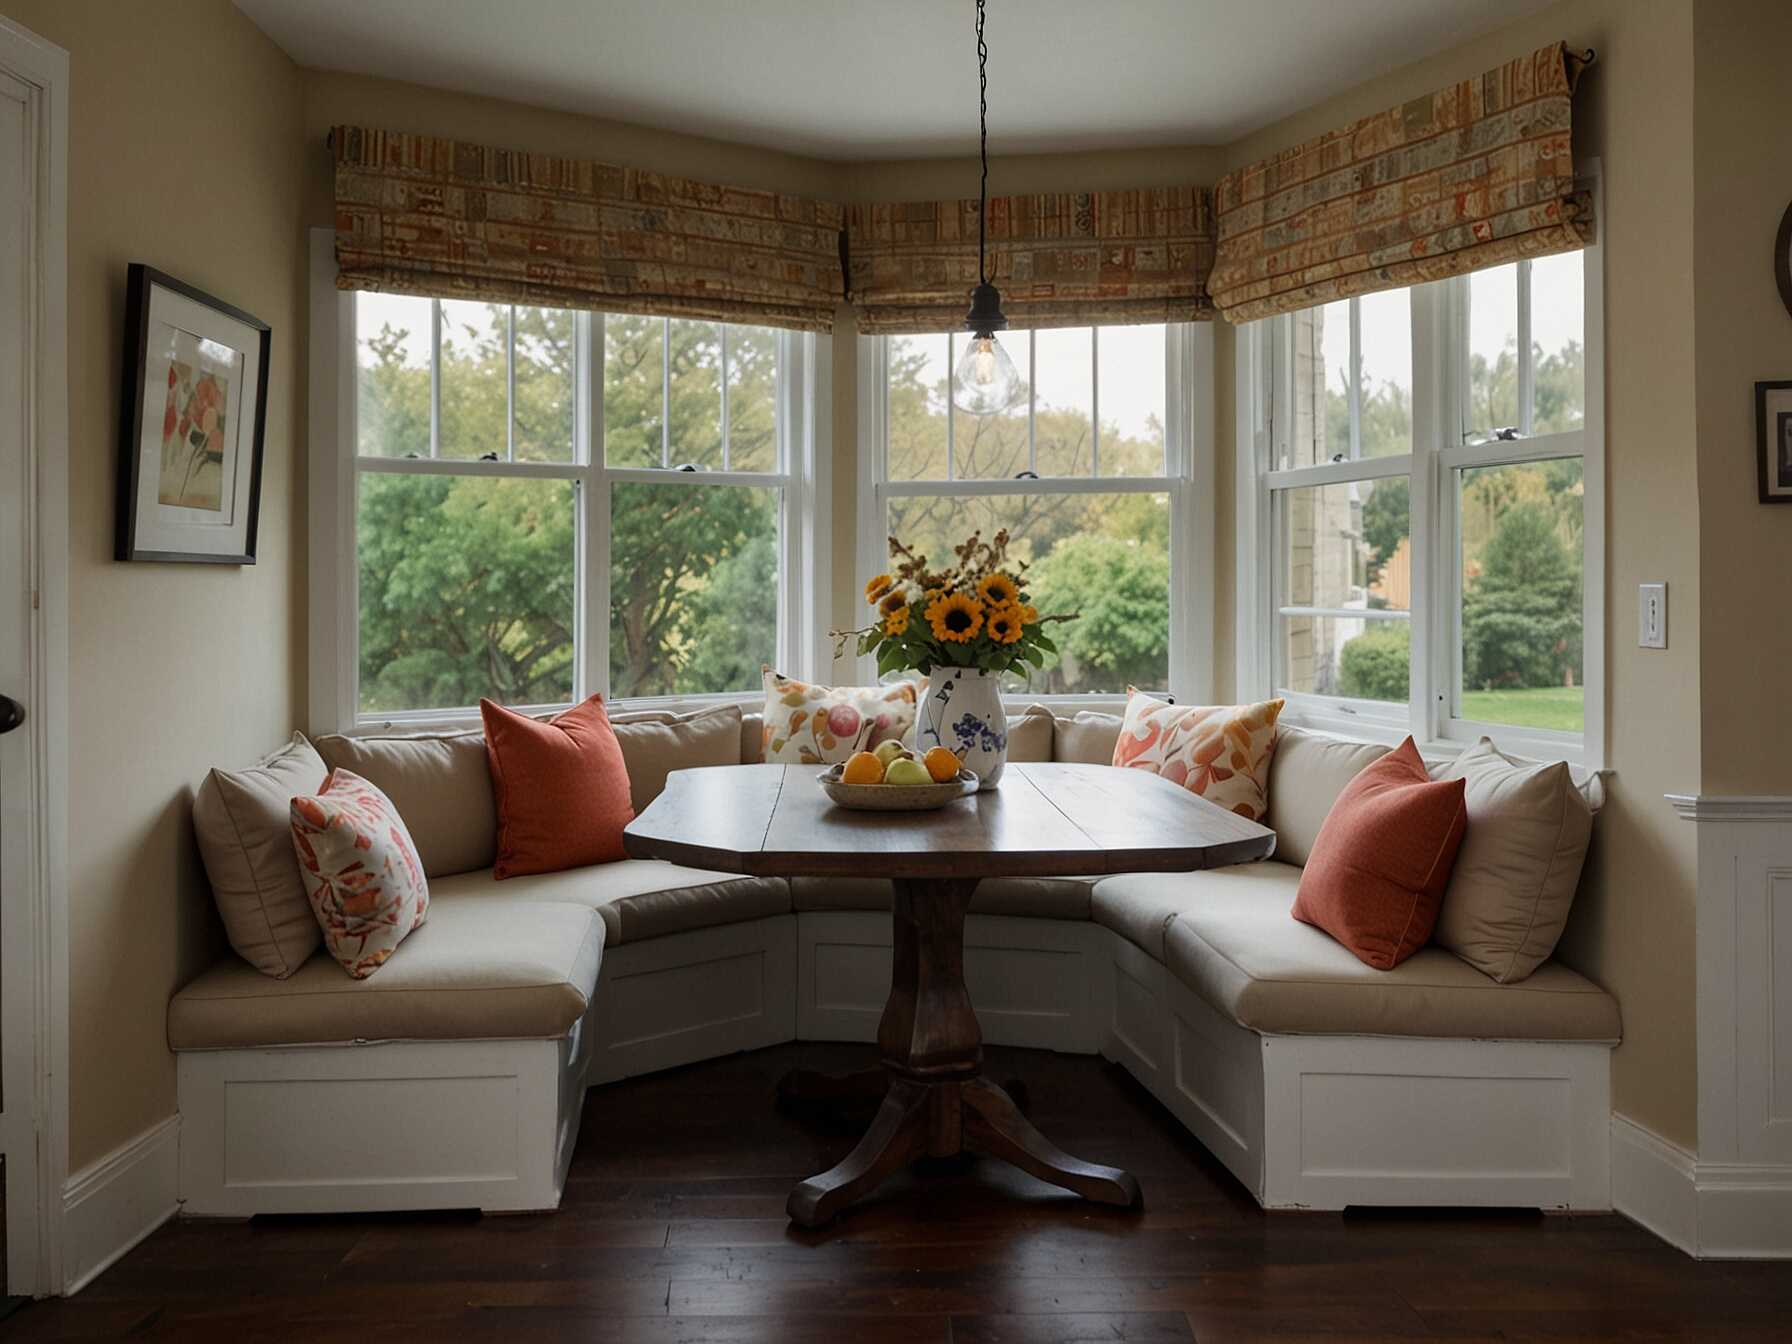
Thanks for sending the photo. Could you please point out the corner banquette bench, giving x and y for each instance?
(455, 1076)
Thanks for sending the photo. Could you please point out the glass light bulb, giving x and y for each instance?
(985, 381)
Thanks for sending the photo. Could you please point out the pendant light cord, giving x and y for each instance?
(982, 142)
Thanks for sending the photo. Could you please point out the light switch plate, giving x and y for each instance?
(1652, 615)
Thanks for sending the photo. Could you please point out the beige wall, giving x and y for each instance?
(172, 667)
(1633, 926)
(1742, 180)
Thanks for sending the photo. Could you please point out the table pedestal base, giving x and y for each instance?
(936, 1103)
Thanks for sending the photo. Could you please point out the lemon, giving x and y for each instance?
(862, 768)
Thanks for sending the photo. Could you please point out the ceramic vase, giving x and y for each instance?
(961, 710)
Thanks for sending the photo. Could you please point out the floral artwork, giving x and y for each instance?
(194, 421)
(823, 725)
(1221, 753)
(360, 870)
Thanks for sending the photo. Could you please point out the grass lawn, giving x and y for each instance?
(1559, 707)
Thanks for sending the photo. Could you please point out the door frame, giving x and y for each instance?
(34, 969)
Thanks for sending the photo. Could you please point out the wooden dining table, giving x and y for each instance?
(1045, 820)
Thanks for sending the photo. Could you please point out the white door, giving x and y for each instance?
(18, 198)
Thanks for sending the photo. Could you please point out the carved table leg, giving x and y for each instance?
(937, 1103)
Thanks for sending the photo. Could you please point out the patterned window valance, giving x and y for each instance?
(1475, 175)
(417, 214)
(1059, 260)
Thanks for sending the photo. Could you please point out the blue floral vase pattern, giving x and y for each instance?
(962, 710)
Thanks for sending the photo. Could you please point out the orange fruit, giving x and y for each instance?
(862, 768)
(942, 764)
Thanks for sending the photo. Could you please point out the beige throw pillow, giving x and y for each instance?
(1306, 775)
(1030, 735)
(657, 742)
(1087, 739)
(1519, 865)
(243, 819)
(441, 784)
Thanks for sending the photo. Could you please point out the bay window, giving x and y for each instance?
(1093, 472)
(536, 504)
(1420, 502)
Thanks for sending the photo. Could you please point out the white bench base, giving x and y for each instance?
(1316, 1122)
(1324, 1122)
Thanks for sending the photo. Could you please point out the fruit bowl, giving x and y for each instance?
(895, 797)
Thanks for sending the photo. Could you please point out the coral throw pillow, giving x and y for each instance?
(823, 725)
(1377, 873)
(561, 789)
(1221, 753)
(360, 871)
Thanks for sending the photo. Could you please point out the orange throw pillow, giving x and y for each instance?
(1376, 876)
(561, 789)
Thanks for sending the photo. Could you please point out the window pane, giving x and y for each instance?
(920, 380)
(1332, 429)
(985, 446)
(1105, 556)
(752, 398)
(1131, 385)
(474, 380)
(1558, 343)
(1348, 548)
(392, 337)
(1521, 594)
(466, 590)
(634, 355)
(1493, 350)
(544, 384)
(694, 392)
(693, 588)
(1385, 414)
(1064, 402)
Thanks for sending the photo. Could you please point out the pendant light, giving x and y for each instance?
(985, 380)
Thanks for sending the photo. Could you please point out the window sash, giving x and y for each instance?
(1443, 446)
(798, 448)
(1188, 481)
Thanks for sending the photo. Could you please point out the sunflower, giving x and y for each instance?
(999, 590)
(955, 617)
(896, 622)
(1004, 625)
(894, 601)
(878, 587)
(1029, 614)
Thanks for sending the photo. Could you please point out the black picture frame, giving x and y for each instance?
(1770, 443)
(140, 282)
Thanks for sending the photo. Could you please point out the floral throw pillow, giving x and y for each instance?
(1219, 752)
(823, 725)
(360, 871)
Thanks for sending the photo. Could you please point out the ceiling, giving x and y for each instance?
(853, 79)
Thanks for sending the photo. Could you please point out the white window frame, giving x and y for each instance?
(1441, 446)
(1188, 480)
(801, 475)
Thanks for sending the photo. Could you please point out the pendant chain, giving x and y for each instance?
(983, 142)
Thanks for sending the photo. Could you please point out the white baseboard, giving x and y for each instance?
(110, 1206)
(1712, 1210)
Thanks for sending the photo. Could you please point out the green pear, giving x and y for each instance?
(887, 751)
(907, 770)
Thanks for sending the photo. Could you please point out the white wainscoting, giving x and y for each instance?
(109, 1207)
(1736, 1199)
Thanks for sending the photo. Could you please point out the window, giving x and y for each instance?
(547, 503)
(1091, 472)
(1419, 527)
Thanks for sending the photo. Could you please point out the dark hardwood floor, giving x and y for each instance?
(673, 1230)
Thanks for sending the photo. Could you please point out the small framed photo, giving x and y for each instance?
(194, 413)
(1773, 451)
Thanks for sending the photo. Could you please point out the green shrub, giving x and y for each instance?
(1377, 664)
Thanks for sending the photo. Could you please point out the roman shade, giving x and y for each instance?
(416, 214)
(1474, 175)
(1060, 260)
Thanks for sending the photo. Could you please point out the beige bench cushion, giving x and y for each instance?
(475, 971)
(1028, 897)
(1236, 945)
(1307, 772)
(637, 898)
(1140, 907)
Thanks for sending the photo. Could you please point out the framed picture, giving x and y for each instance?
(194, 412)
(1773, 450)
